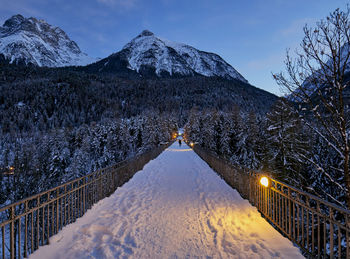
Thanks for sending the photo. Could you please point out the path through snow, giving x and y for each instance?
(176, 207)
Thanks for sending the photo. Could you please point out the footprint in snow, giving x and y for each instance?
(229, 247)
(256, 235)
(106, 215)
(129, 240)
(254, 248)
(121, 230)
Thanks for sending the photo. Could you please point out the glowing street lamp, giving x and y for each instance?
(9, 171)
(264, 181)
(192, 144)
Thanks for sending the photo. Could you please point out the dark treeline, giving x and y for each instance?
(278, 143)
(33, 98)
(46, 159)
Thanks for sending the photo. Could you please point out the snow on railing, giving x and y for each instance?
(27, 224)
(321, 229)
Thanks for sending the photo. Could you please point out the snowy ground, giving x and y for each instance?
(176, 207)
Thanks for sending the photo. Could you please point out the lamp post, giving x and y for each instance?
(8, 171)
(264, 181)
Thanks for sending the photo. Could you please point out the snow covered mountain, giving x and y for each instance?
(35, 41)
(148, 55)
(318, 79)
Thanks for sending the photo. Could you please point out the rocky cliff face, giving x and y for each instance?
(35, 41)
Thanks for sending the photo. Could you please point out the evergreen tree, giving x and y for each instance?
(287, 145)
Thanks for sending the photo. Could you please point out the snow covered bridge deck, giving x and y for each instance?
(176, 207)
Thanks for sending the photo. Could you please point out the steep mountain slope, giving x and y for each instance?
(29, 40)
(319, 79)
(148, 55)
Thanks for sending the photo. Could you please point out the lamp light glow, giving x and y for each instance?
(191, 144)
(264, 181)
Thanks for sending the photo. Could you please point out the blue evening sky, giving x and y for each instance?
(251, 35)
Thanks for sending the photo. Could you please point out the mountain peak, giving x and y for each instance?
(34, 41)
(14, 20)
(150, 55)
(145, 33)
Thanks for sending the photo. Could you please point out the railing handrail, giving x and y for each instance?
(116, 165)
(261, 173)
(314, 197)
(320, 228)
(29, 223)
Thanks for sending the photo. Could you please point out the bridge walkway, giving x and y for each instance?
(176, 207)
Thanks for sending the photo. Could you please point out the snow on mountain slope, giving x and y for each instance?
(320, 77)
(176, 207)
(37, 42)
(162, 55)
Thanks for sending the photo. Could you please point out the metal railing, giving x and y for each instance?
(29, 223)
(321, 229)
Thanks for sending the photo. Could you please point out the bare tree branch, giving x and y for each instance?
(316, 78)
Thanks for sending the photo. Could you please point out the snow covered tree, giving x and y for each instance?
(317, 78)
(287, 147)
(218, 132)
(59, 158)
(247, 151)
(233, 133)
(192, 127)
(228, 135)
(226, 125)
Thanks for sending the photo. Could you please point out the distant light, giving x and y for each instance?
(264, 181)
(192, 144)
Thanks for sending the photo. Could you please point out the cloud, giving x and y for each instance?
(128, 4)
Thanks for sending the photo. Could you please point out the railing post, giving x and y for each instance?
(84, 193)
(65, 206)
(37, 223)
(289, 214)
(250, 188)
(307, 224)
(347, 222)
(318, 229)
(48, 219)
(12, 233)
(25, 230)
(57, 213)
(19, 237)
(265, 201)
(100, 185)
(255, 190)
(331, 241)
(3, 242)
